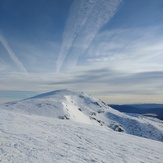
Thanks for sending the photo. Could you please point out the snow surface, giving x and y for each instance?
(74, 113)
(64, 126)
(38, 139)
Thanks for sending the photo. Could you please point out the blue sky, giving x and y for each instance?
(111, 49)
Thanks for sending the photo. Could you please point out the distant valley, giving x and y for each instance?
(152, 110)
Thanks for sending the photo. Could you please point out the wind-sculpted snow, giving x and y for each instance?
(40, 139)
(80, 107)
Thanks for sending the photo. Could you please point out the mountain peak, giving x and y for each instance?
(55, 92)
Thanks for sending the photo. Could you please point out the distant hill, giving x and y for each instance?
(154, 110)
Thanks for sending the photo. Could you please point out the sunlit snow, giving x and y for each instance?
(64, 126)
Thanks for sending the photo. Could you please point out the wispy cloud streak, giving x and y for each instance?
(86, 18)
(12, 54)
(141, 51)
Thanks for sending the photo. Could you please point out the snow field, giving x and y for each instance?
(35, 139)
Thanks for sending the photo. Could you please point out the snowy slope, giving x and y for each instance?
(40, 139)
(80, 107)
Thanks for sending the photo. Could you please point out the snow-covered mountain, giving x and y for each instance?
(80, 107)
(64, 126)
